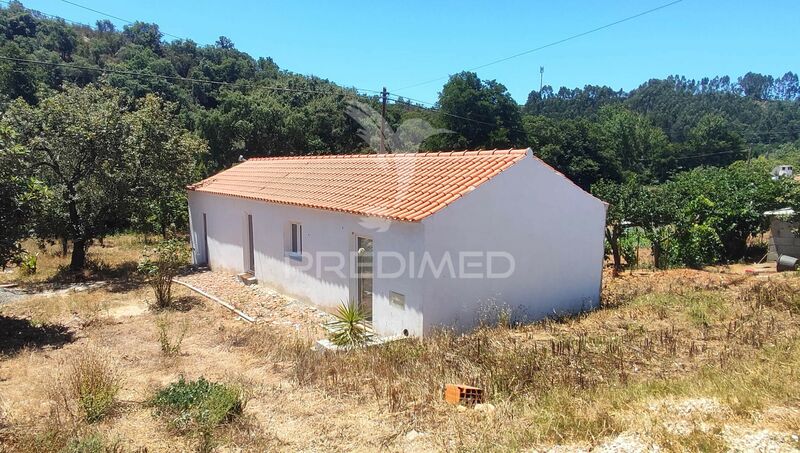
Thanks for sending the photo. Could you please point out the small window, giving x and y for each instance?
(297, 238)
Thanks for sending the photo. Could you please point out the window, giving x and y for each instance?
(297, 239)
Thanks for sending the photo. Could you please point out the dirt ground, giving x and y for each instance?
(287, 417)
(689, 339)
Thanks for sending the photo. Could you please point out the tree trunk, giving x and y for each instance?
(79, 241)
(613, 242)
(64, 246)
(162, 217)
(78, 261)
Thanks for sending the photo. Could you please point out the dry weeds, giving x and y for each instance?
(629, 376)
(87, 386)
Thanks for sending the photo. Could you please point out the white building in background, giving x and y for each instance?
(420, 240)
(782, 171)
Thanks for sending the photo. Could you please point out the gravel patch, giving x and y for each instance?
(682, 417)
(742, 439)
(14, 294)
(626, 442)
(264, 304)
(10, 295)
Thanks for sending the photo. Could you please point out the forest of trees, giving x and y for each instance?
(102, 128)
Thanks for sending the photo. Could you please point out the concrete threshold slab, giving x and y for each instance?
(326, 345)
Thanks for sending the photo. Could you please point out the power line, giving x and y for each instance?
(554, 43)
(172, 78)
(432, 107)
(164, 33)
(214, 82)
(115, 17)
(51, 16)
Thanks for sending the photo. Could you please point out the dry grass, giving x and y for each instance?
(87, 386)
(116, 258)
(568, 380)
(666, 338)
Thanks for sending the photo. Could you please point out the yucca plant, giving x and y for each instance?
(351, 328)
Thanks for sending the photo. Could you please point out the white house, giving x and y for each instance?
(420, 240)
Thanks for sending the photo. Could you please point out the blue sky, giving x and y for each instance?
(370, 44)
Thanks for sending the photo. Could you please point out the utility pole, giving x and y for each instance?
(384, 95)
(541, 78)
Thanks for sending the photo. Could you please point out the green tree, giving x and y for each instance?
(102, 163)
(482, 113)
(75, 143)
(19, 195)
(625, 203)
(730, 200)
(166, 157)
(656, 216)
(144, 34)
(638, 147)
(715, 142)
(574, 147)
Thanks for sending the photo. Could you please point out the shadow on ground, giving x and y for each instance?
(18, 333)
(186, 303)
(97, 270)
(182, 304)
(120, 278)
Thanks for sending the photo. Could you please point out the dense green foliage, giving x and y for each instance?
(700, 217)
(106, 163)
(707, 122)
(247, 112)
(19, 194)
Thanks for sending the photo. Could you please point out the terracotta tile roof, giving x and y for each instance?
(406, 187)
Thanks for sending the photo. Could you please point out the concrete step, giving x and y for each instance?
(247, 278)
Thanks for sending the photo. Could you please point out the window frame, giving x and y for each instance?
(295, 248)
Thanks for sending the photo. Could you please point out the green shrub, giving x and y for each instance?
(198, 406)
(160, 265)
(699, 246)
(27, 262)
(629, 248)
(170, 342)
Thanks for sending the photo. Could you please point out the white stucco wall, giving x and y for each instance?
(327, 235)
(553, 230)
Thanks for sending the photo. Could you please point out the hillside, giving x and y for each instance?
(248, 105)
